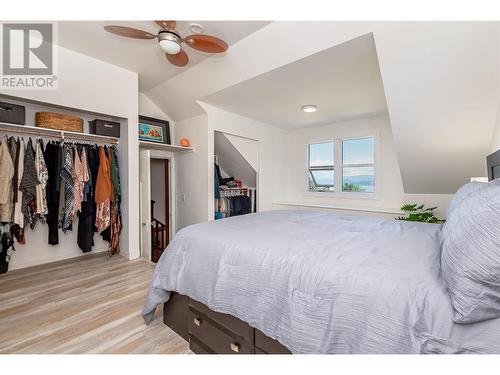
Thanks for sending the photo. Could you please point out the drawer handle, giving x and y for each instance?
(197, 322)
(235, 348)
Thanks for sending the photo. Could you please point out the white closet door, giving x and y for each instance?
(145, 202)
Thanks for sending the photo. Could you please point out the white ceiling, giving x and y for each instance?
(145, 56)
(343, 81)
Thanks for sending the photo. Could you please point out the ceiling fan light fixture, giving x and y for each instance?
(169, 42)
(309, 108)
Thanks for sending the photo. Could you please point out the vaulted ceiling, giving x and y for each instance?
(145, 56)
(343, 81)
(440, 81)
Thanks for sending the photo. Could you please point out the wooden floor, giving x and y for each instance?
(90, 304)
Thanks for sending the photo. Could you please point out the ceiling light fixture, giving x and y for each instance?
(170, 42)
(310, 108)
(196, 28)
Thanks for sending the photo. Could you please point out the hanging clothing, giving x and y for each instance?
(103, 192)
(86, 174)
(67, 180)
(14, 153)
(28, 186)
(79, 179)
(43, 176)
(6, 248)
(52, 154)
(116, 220)
(18, 214)
(61, 187)
(12, 144)
(6, 176)
(87, 215)
(217, 181)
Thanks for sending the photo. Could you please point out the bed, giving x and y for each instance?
(311, 282)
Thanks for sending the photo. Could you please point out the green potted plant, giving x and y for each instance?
(414, 212)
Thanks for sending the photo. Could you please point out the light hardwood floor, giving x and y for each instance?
(89, 304)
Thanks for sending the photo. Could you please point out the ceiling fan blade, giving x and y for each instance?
(181, 59)
(206, 43)
(167, 25)
(129, 32)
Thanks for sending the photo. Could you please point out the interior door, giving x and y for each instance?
(145, 202)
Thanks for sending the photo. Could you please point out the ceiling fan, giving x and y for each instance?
(170, 41)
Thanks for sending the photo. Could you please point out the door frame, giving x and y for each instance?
(170, 156)
(172, 224)
(211, 200)
(144, 204)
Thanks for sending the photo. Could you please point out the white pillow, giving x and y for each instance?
(470, 258)
(463, 193)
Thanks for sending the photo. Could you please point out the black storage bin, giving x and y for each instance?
(12, 113)
(104, 127)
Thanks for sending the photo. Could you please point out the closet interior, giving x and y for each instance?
(60, 191)
(235, 175)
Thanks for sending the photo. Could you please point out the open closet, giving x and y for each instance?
(236, 165)
(61, 194)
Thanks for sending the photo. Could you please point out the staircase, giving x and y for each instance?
(159, 236)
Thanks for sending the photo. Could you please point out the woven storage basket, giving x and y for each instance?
(58, 121)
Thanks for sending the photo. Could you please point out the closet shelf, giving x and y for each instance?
(33, 130)
(164, 147)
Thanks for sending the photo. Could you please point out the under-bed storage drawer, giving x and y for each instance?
(268, 345)
(217, 339)
(235, 325)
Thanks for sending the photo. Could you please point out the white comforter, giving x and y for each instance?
(322, 283)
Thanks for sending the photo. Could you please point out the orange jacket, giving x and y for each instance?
(103, 188)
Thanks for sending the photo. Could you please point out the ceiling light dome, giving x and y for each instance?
(309, 108)
(196, 28)
(170, 42)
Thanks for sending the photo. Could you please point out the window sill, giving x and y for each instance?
(343, 195)
(378, 210)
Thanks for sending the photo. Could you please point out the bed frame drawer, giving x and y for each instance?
(268, 345)
(235, 325)
(217, 339)
(208, 331)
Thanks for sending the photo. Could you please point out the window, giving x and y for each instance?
(355, 161)
(321, 173)
(358, 165)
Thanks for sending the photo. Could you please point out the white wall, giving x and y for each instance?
(389, 187)
(94, 86)
(192, 174)
(389, 194)
(148, 108)
(247, 148)
(272, 153)
(195, 171)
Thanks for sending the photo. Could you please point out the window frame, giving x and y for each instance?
(338, 168)
(320, 167)
(342, 165)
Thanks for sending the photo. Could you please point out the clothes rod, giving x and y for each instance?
(59, 134)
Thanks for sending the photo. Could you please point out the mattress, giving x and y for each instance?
(322, 283)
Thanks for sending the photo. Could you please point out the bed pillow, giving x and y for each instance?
(470, 258)
(463, 193)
